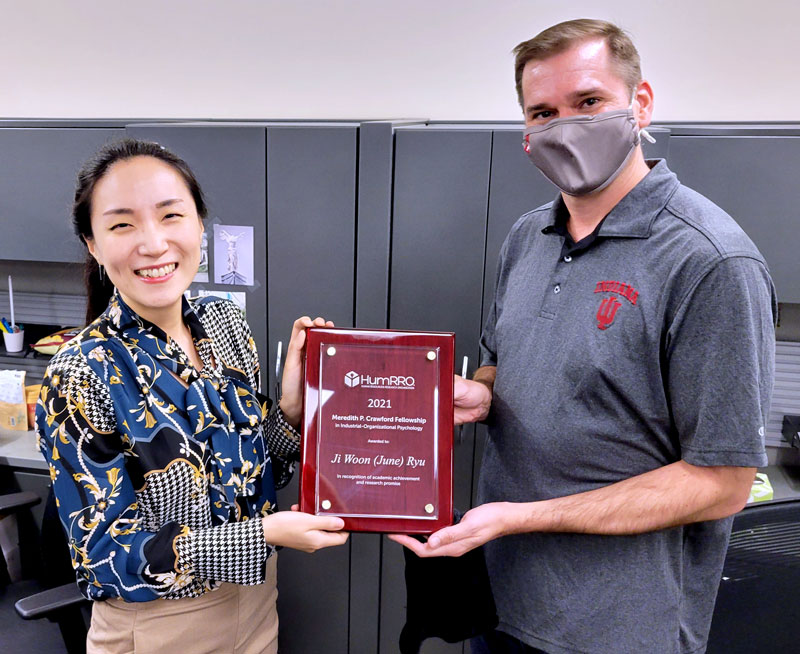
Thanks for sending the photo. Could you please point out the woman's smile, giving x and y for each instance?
(157, 274)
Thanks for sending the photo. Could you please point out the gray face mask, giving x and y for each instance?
(583, 154)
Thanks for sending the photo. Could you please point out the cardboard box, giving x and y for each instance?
(31, 397)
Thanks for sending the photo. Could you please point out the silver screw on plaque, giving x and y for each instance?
(326, 504)
(431, 355)
(331, 351)
(429, 508)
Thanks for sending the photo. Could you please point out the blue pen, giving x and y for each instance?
(7, 326)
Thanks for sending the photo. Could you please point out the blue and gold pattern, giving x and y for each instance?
(160, 469)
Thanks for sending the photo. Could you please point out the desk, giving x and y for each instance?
(785, 481)
(18, 450)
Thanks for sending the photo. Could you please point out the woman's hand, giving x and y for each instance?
(302, 531)
(292, 381)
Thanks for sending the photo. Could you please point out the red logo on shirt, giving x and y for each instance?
(608, 306)
(607, 311)
(625, 290)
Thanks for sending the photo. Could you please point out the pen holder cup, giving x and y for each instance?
(14, 341)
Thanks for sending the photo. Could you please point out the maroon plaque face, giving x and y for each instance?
(378, 428)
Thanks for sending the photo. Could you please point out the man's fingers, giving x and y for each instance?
(411, 543)
(426, 550)
(443, 537)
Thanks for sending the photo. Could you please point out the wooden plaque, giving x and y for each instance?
(378, 429)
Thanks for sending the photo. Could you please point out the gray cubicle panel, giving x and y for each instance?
(38, 167)
(229, 163)
(753, 176)
(375, 170)
(373, 239)
(311, 217)
(311, 207)
(441, 190)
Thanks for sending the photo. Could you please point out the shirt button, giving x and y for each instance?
(567, 259)
(557, 289)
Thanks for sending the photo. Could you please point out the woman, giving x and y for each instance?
(164, 458)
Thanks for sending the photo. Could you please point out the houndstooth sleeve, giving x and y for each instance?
(233, 553)
(236, 552)
(283, 442)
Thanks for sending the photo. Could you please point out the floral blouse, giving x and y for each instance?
(160, 487)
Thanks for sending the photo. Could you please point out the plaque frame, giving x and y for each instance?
(319, 341)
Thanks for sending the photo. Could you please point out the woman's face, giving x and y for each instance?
(146, 233)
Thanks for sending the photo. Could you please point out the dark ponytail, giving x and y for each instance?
(98, 287)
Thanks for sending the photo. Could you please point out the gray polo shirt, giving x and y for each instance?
(653, 344)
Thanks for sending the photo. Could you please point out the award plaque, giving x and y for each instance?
(378, 429)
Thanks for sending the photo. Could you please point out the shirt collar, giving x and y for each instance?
(633, 216)
(123, 317)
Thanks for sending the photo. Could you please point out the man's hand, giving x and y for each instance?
(472, 399)
(291, 402)
(478, 526)
(675, 494)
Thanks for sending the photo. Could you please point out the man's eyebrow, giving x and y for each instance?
(588, 93)
(576, 95)
(167, 203)
(537, 107)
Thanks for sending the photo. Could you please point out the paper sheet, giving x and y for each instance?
(12, 386)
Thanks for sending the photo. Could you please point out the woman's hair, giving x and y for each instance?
(99, 288)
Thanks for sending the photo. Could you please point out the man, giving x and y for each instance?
(627, 366)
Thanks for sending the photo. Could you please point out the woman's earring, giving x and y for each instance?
(102, 273)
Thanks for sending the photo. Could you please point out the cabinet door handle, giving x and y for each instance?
(278, 356)
(464, 367)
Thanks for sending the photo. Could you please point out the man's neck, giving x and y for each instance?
(586, 211)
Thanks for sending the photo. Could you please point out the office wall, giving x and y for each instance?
(436, 59)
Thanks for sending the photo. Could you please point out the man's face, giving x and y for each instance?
(579, 81)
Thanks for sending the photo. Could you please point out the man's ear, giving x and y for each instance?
(643, 107)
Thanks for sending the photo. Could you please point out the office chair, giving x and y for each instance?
(63, 603)
(758, 605)
(12, 504)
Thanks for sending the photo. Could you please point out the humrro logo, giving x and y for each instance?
(353, 379)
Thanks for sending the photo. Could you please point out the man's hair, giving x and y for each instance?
(558, 38)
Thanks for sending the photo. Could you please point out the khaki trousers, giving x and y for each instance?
(229, 620)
